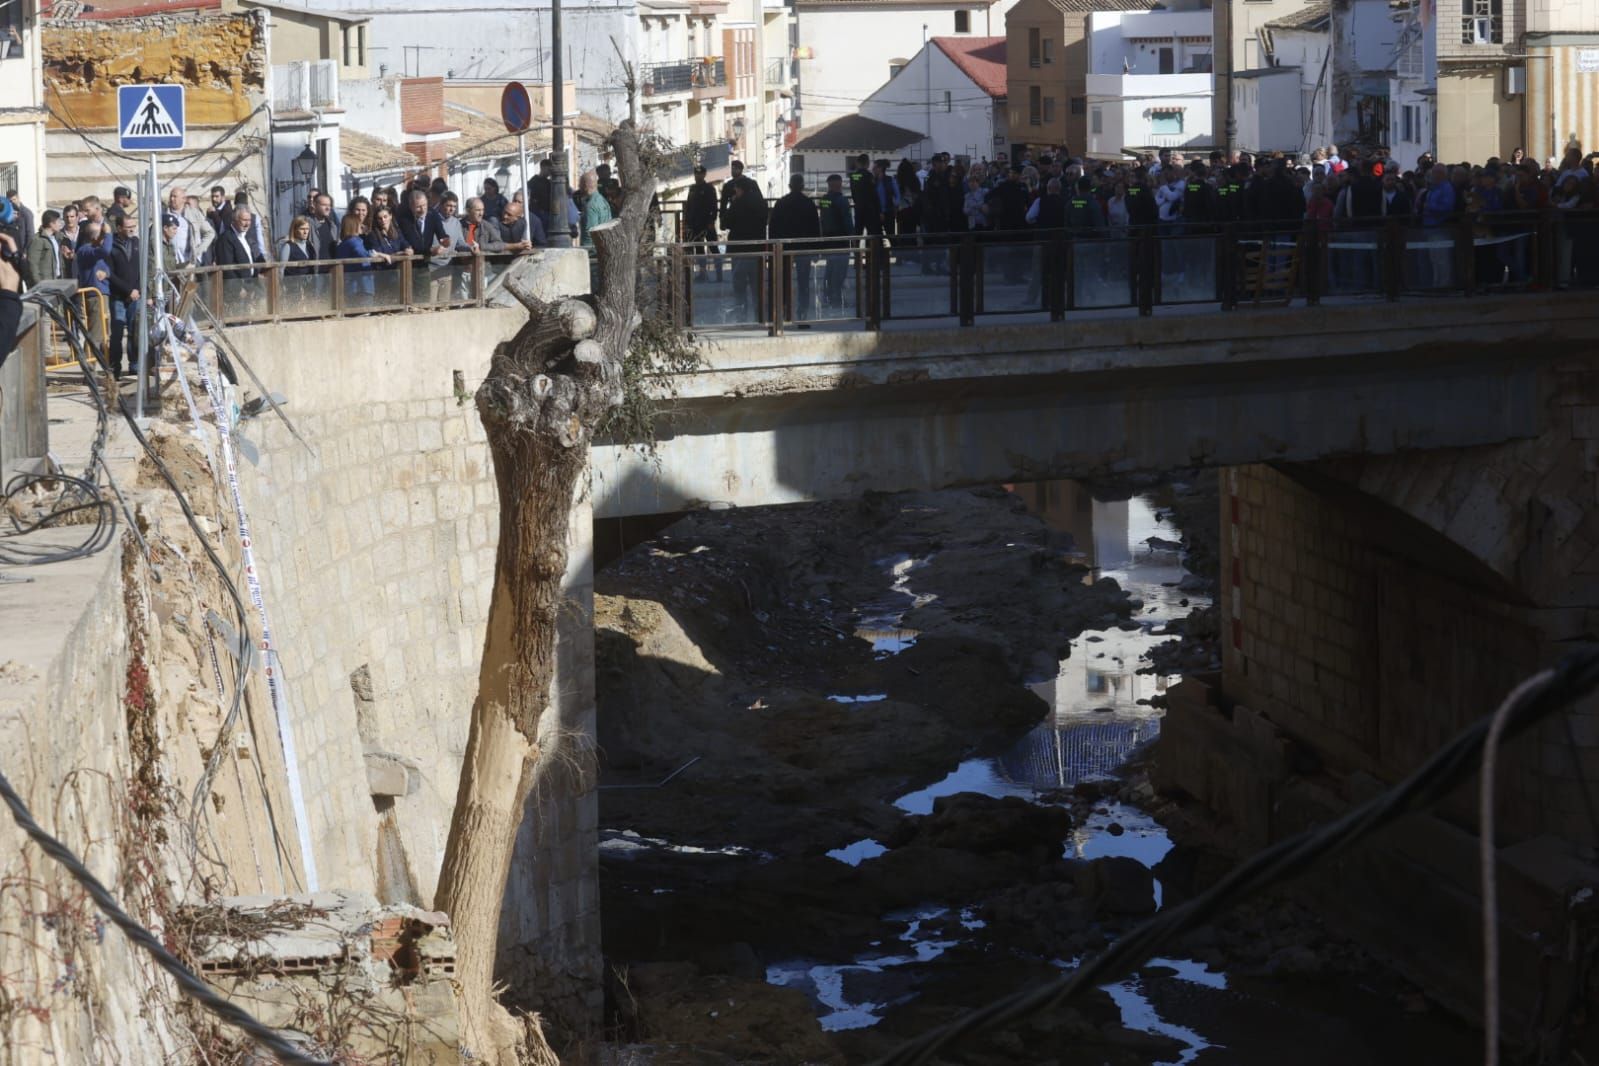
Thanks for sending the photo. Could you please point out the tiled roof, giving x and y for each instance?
(1313, 17)
(366, 154)
(981, 59)
(851, 132)
(1088, 7)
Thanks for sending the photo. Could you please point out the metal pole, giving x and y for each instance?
(527, 196)
(559, 234)
(151, 229)
(927, 87)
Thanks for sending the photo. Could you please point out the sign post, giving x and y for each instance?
(150, 118)
(517, 111)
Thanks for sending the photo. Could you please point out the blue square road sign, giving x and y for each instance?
(150, 117)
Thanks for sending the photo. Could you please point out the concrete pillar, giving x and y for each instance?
(549, 953)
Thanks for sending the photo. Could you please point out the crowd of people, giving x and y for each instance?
(97, 242)
(917, 205)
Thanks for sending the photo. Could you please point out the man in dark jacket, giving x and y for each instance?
(423, 232)
(863, 197)
(835, 221)
(539, 193)
(746, 221)
(795, 218)
(700, 208)
(1007, 205)
(124, 281)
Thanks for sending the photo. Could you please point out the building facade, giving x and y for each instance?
(22, 118)
(1047, 66)
(1149, 81)
(952, 92)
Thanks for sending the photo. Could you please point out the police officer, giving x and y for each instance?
(836, 221)
(863, 195)
(1199, 197)
(795, 218)
(1085, 216)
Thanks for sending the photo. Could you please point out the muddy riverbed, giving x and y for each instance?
(870, 764)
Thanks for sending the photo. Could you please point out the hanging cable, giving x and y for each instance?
(1575, 677)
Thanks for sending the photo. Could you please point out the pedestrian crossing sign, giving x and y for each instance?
(150, 117)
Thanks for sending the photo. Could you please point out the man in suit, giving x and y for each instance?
(124, 282)
(423, 231)
(237, 249)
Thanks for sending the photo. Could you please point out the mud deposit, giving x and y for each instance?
(902, 743)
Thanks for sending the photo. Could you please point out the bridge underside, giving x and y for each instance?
(760, 450)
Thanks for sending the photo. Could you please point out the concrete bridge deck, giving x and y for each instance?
(823, 414)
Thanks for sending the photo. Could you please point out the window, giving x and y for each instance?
(1033, 47)
(1049, 50)
(1035, 105)
(949, 100)
(1165, 122)
(1481, 22)
(1198, 63)
(1168, 61)
(1407, 123)
(963, 22)
(13, 31)
(1096, 120)
(1049, 109)
(1079, 105)
(894, 67)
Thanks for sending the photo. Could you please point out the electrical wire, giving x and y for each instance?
(1576, 676)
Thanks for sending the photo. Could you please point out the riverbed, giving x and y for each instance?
(913, 731)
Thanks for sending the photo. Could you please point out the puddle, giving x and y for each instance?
(826, 983)
(627, 842)
(973, 775)
(858, 852)
(879, 623)
(1139, 1014)
(875, 697)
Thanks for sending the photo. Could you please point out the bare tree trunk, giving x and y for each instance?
(546, 390)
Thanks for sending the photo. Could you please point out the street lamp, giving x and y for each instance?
(305, 164)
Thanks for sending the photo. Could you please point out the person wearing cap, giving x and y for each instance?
(24, 217)
(700, 208)
(863, 197)
(795, 218)
(835, 221)
(121, 204)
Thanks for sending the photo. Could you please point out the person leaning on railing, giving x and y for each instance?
(359, 283)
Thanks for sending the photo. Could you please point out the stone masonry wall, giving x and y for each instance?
(1360, 637)
(377, 549)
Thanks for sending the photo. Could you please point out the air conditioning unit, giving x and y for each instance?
(1482, 31)
(1515, 81)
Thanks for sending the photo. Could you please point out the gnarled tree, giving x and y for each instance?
(547, 390)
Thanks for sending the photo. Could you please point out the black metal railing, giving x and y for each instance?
(870, 279)
(683, 77)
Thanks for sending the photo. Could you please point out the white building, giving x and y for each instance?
(306, 120)
(1285, 104)
(711, 74)
(22, 114)
(952, 92)
(1149, 81)
(1413, 90)
(848, 48)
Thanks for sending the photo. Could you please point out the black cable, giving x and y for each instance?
(1576, 676)
(196, 989)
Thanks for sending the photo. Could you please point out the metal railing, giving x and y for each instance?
(336, 288)
(683, 77)
(963, 277)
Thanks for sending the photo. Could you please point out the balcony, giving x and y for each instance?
(780, 74)
(713, 157)
(704, 78)
(305, 86)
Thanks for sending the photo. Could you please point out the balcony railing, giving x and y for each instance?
(712, 157)
(684, 77)
(780, 73)
(305, 86)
